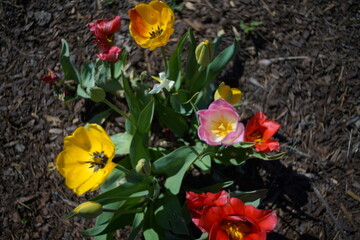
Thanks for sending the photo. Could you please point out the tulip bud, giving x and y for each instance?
(97, 94)
(88, 209)
(204, 53)
(143, 167)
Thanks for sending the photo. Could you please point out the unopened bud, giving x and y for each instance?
(204, 53)
(143, 167)
(88, 209)
(97, 94)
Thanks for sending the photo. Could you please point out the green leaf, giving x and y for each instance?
(174, 165)
(139, 148)
(244, 144)
(175, 62)
(145, 118)
(133, 103)
(264, 156)
(137, 225)
(127, 189)
(81, 92)
(251, 197)
(216, 187)
(179, 102)
(170, 119)
(100, 117)
(87, 75)
(70, 72)
(122, 143)
(150, 234)
(113, 180)
(232, 155)
(214, 68)
(169, 205)
(108, 236)
(191, 64)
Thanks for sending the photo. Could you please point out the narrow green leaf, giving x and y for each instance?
(100, 117)
(127, 189)
(170, 119)
(145, 118)
(87, 75)
(70, 72)
(175, 63)
(214, 68)
(244, 144)
(137, 225)
(216, 187)
(191, 63)
(113, 180)
(169, 205)
(139, 148)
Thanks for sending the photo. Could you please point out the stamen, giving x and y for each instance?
(99, 161)
(156, 33)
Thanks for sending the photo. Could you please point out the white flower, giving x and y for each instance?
(164, 83)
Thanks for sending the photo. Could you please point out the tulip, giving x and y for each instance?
(104, 30)
(226, 218)
(110, 55)
(151, 25)
(86, 160)
(260, 131)
(219, 124)
(231, 95)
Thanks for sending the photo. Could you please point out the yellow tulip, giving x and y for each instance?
(151, 24)
(86, 160)
(231, 95)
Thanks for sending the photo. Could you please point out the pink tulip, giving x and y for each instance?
(219, 124)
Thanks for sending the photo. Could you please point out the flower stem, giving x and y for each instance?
(112, 71)
(123, 211)
(123, 169)
(116, 109)
(166, 66)
(194, 79)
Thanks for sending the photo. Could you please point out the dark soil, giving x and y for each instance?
(301, 68)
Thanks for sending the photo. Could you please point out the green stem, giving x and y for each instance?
(194, 79)
(123, 169)
(116, 109)
(112, 70)
(123, 211)
(166, 66)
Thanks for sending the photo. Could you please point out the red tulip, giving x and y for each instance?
(197, 202)
(237, 221)
(111, 55)
(104, 30)
(260, 131)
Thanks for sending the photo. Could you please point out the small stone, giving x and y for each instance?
(20, 148)
(42, 18)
